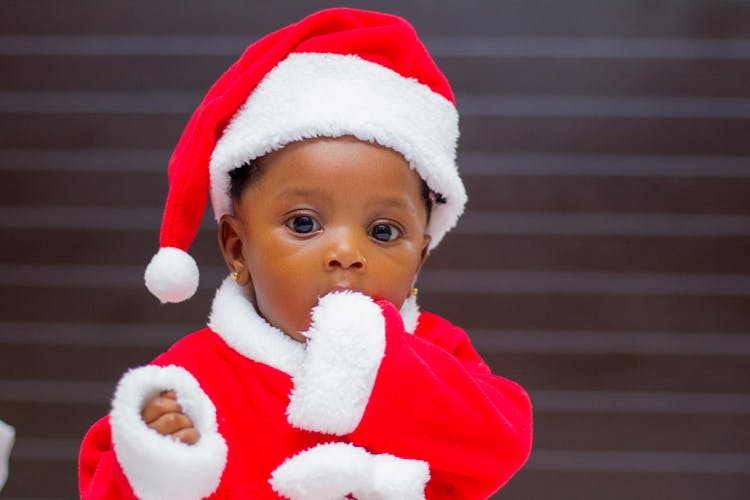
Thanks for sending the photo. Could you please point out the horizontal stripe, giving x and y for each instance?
(468, 105)
(605, 106)
(552, 282)
(640, 402)
(599, 223)
(481, 281)
(80, 276)
(640, 461)
(486, 341)
(553, 401)
(124, 45)
(648, 343)
(497, 164)
(439, 46)
(54, 391)
(85, 160)
(90, 218)
(46, 449)
(547, 460)
(588, 47)
(604, 165)
(474, 222)
(93, 334)
(99, 102)
(34, 498)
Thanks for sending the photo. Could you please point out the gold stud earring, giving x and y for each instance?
(236, 275)
(414, 291)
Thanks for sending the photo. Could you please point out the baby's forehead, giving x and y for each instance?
(341, 160)
(311, 156)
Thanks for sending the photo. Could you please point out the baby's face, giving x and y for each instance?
(326, 215)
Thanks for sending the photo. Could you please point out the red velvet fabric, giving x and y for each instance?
(434, 399)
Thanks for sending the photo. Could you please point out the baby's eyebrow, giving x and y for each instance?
(304, 192)
(394, 202)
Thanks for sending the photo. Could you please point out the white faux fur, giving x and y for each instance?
(157, 466)
(346, 343)
(7, 437)
(311, 95)
(172, 275)
(235, 319)
(334, 470)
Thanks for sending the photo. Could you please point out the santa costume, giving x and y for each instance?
(379, 403)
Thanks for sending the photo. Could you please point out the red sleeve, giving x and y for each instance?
(146, 464)
(434, 399)
(99, 473)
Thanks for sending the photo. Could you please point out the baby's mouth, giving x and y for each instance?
(338, 289)
(342, 287)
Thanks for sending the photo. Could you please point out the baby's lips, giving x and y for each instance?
(342, 288)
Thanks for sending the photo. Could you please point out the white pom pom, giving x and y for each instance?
(172, 275)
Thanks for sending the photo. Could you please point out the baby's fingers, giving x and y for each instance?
(165, 403)
(170, 423)
(187, 436)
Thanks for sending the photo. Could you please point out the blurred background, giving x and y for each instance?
(603, 262)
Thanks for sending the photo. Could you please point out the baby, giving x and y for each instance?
(328, 149)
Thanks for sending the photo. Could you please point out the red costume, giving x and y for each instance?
(365, 408)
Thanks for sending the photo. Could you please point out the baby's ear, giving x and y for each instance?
(232, 244)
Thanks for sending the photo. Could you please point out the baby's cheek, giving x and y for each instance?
(287, 313)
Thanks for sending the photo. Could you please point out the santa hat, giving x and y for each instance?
(337, 72)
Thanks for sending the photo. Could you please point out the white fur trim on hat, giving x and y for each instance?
(345, 347)
(310, 95)
(172, 275)
(334, 470)
(157, 466)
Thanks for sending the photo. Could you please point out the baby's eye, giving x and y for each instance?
(303, 224)
(385, 232)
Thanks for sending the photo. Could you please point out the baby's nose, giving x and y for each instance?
(345, 252)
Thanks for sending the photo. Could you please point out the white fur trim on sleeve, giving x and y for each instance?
(334, 470)
(394, 477)
(157, 466)
(345, 347)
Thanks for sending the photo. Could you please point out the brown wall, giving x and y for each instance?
(603, 262)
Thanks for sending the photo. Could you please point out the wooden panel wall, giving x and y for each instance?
(603, 261)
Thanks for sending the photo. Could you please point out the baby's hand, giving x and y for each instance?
(163, 414)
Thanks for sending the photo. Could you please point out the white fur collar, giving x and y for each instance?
(234, 318)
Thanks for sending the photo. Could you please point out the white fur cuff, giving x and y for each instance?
(345, 347)
(334, 470)
(159, 467)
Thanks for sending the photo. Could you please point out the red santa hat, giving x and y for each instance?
(337, 72)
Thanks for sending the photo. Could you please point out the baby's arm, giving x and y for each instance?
(122, 456)
(391, 392)
(163, 414)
